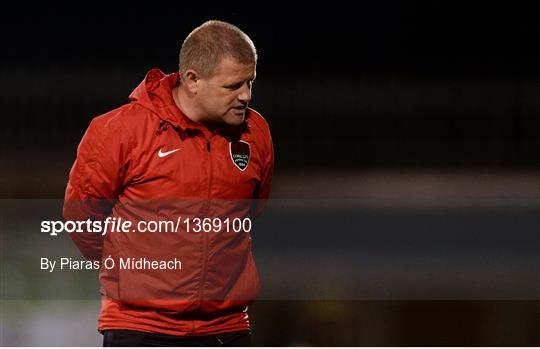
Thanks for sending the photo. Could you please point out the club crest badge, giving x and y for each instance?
(240, 154)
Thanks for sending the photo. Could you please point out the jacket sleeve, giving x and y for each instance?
(95, 181)
(263, 191)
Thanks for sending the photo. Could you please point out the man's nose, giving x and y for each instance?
(245, 93)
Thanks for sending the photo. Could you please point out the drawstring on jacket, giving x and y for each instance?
(163, 124)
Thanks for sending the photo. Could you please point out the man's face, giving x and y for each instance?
(224, 97)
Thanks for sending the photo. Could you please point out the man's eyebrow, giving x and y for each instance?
(239, 82)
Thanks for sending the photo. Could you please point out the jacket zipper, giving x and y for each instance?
(207, 206)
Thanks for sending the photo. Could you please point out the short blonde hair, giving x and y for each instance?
(207, 45)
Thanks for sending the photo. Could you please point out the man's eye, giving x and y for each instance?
(239, 85)
(234, 87)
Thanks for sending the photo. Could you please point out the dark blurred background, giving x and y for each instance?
(400, 104)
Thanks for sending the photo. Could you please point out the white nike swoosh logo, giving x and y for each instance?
(164, 154)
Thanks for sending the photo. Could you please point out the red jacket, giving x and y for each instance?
(147, 161)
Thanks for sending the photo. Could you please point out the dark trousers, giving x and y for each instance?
(128, 338)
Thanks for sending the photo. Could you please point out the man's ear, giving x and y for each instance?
(191, 80)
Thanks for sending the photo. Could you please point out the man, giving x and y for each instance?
(186, 147)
